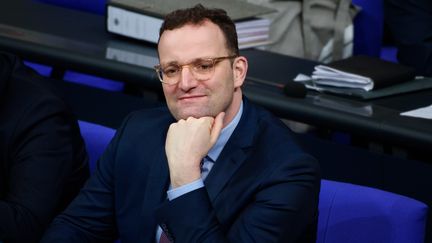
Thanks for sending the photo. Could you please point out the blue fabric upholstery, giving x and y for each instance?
(94, 6)
(93, 81)
(354, 213)
(39, 68)
(96, 138)
(389, 53)
(80, 78)
(368, 27)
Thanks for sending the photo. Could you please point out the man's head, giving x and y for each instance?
(196, 16)
(200, 69)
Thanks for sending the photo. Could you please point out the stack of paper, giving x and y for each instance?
(364, 77)
(254, 32)
(325, 75)
(357, 73)
(362, 72)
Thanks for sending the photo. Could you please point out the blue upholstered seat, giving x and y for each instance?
(94, 6)
(93, 81)
(96, 138)
(80, 78)
(369, 29)
(43, 70)
(358, 214)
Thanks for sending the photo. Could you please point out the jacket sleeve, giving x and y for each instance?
(90, 217)
(282, 208)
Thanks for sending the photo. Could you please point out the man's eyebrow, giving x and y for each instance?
(169, 63)
(189, 61)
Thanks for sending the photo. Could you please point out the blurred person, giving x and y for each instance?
(410, 24)
(43, 162)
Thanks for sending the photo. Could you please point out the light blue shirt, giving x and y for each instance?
(208, 163)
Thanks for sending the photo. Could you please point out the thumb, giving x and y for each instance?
(217, 127)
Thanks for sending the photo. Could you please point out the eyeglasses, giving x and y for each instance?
(201, 69)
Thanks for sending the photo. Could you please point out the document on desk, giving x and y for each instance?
(423, 112)
(362, 72)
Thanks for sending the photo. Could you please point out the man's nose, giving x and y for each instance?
(187, 79)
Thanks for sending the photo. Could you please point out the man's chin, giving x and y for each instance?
(194, 114)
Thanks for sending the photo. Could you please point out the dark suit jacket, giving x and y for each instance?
(410, 23)
(262, 188)
(43, 163)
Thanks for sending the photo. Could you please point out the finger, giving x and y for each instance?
(191, 118)
(181, 121)
(217, 127)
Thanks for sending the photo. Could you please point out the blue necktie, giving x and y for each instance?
(206, 165)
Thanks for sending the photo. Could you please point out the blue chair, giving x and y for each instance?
(93, 81)
(39, 68)
(369, 29)
(354, 213)
(96, 138)
(94, 6)
(79, 78)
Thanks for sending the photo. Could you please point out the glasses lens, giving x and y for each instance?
(169, 74)
(171, 71)
(203, 68)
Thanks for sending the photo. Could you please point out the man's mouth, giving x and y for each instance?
(190, 97)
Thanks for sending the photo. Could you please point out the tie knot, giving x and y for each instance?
(206, 165)
(207, 158)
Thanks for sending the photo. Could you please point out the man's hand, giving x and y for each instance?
(187, 143)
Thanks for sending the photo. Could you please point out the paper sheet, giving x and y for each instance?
(423, 112)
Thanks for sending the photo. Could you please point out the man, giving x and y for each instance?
(410, 23)
(43, 162)
(215, 168)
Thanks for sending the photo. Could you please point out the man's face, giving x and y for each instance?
(197, 98)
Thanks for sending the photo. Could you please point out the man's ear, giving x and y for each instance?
(240, 67)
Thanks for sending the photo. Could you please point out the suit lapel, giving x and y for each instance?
(234, 153)
(156, 187)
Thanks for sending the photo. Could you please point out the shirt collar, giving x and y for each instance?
(225, 135)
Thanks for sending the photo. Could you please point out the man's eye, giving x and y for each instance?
(203, 66)
(170, 71)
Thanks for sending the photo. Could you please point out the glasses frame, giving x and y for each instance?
(215, 60)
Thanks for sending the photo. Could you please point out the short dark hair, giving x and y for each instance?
(197, 15)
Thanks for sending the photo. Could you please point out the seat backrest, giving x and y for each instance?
(96, 138)
(354, 213)
(368, 27)
(93, 6)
